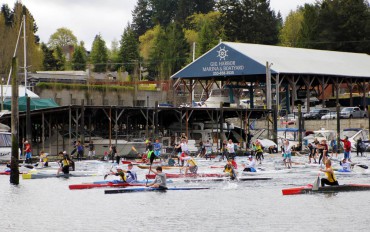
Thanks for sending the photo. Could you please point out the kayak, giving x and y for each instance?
(4, 173)
(130, 162)
(109, 183)
(101, 185)
(51, 175)
(163, 167)
(150, 189)
(326, 189)
(174, 175)
(228, 179)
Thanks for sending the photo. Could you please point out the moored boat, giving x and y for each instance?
(163, 167)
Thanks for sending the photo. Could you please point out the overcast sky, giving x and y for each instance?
(87, 18)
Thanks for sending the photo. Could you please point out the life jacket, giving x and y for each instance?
(192, 162)
(65, 162)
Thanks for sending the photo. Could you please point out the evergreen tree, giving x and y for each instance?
(129, 50)
(164, 11)
(142, 17)
(99, 54)
(49, 61)
(250, 21)
(307, 34)
(79, 57)
(60, 59)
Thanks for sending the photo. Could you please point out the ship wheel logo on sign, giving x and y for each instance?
(222, 53)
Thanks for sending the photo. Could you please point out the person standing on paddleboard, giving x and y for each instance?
(287, 154)
(231, 149)
(184, 149)
(150, 151)
(27, 151)
(347, 148)
(160, 180)
(330, 176)
(157, 148)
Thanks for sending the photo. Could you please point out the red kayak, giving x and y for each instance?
(174, 175)
(217, 166)
(102, 185)
(326, 189)
(4, 173)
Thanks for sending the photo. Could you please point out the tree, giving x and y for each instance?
(99, 54)
(250, 21)
(290, 32)
(79, 57)
(168, 53)
(205, 30)
(343, 26)
(10, 23)
(142, 17)
(62, 38)
(60, 59)
(129, 50)
(163, 11)
(49, 61)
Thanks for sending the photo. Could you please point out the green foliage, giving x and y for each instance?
(142, 16)
(100, 88)
(49, 61)
(60, 59)
(63, 37)
(10, 22)
(99, 54)
(290, 32)
(339, 25)
(250, 21)
(79, 58)
(129, 50)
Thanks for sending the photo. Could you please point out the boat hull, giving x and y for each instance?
(150, 189)
(174, 175)
(326, 189)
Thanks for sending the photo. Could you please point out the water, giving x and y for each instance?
(48, 205)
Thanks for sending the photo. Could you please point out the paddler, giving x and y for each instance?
(150, 151)
(229, 170)
(191, 165)
(44, 159)
(251, 166)
(64, 164)
(346, 166)
(128, 175)
(330, 176)
(160, 179)
(287, 154)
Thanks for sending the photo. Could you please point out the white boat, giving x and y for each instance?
(320, 135)
(355, 134)
(5, 144)
(226, 96)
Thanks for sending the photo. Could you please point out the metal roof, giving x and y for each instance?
(242, 59)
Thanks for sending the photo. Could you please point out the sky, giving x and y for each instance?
(87, 18)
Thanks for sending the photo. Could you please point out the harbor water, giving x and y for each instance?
(49, 205)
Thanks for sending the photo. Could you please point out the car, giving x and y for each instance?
(330, 115)
(316, 113)
(352, 112)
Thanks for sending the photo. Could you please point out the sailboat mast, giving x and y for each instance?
(25, 55)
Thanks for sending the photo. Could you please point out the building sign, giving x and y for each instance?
(224, 65)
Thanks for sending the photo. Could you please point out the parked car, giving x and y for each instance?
(316, 113)
(352, 112)
(330, 115)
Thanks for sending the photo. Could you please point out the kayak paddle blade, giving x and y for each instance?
(315, 185)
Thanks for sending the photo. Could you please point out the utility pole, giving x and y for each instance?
(14, 173)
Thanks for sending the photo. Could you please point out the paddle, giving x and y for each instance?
(362, 166)
(106, 175)
(315, 185)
